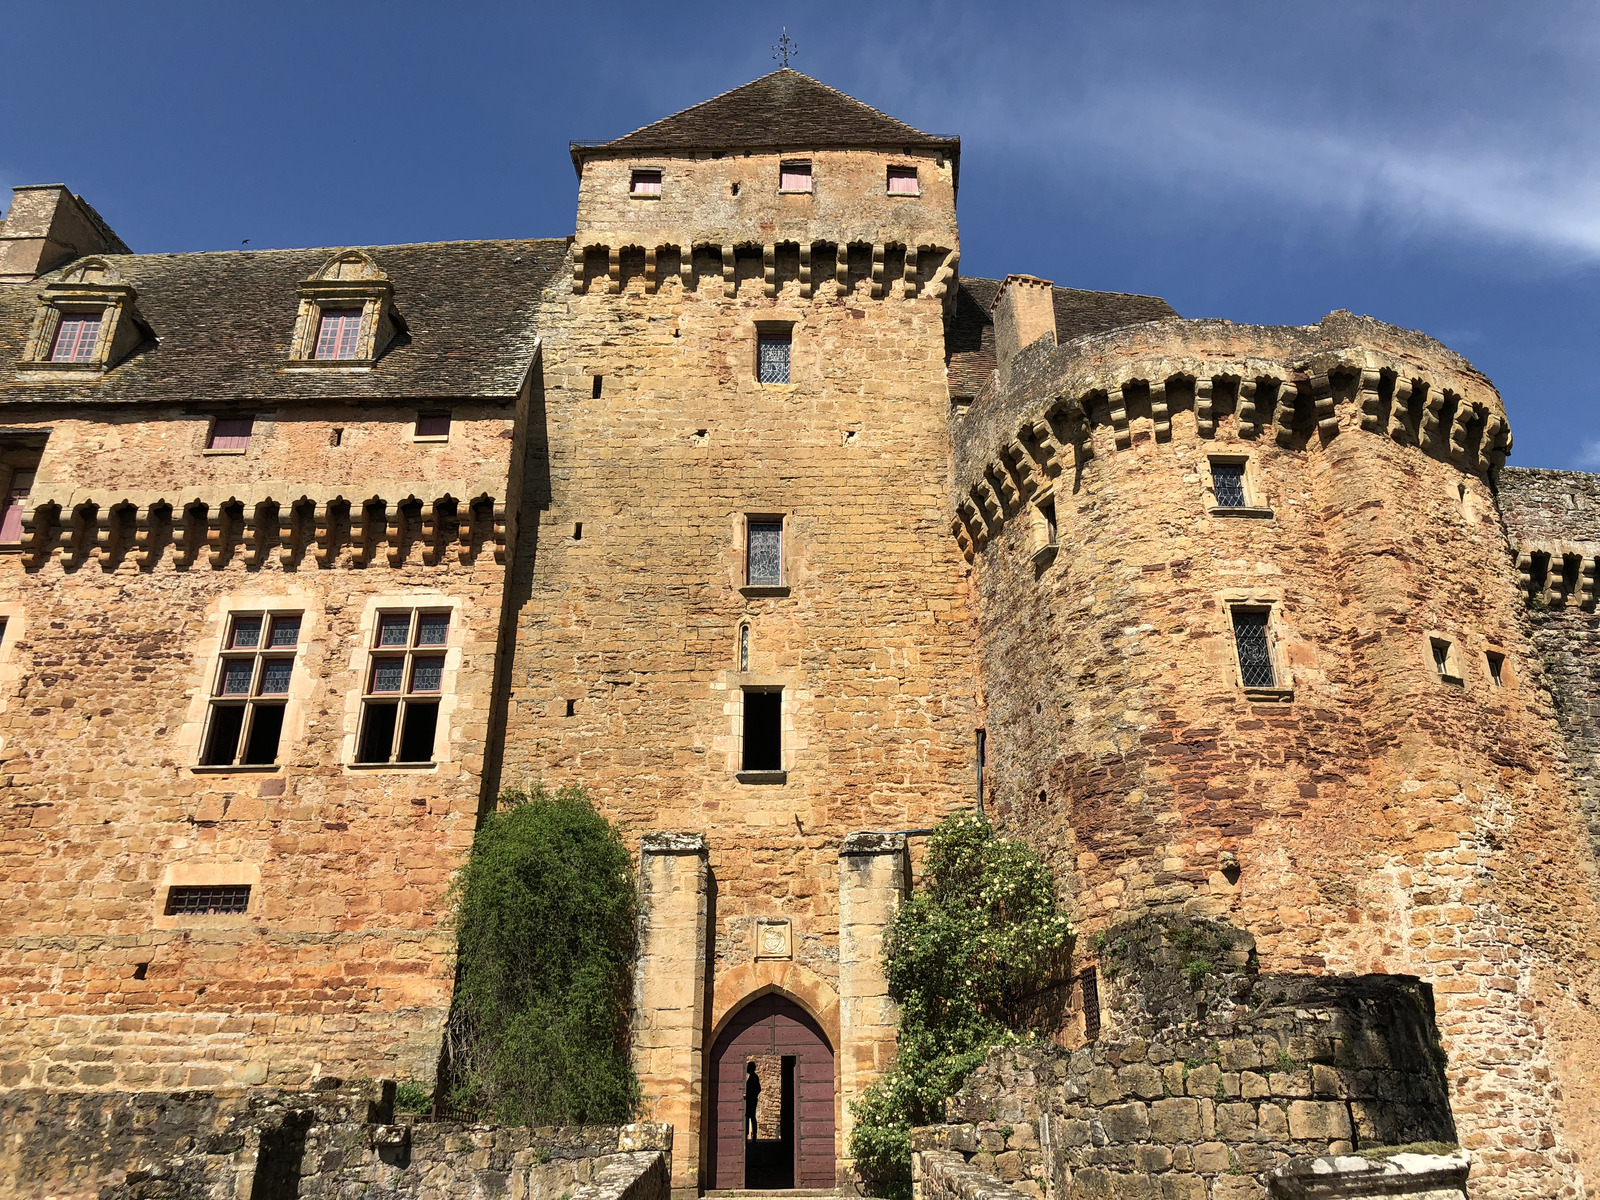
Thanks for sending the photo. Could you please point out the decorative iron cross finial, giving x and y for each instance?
(786, 46)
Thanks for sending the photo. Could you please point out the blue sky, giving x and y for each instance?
(1436, 165)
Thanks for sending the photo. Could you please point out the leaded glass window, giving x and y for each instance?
(772, 356)
(1228, 481)
(764, 554)
(252, 687)
(1255, 655)
(76, 337)
(400, 707)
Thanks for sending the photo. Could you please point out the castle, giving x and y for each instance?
(745, 509)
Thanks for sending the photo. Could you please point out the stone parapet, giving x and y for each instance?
(1404, 1176)
(947, 1175)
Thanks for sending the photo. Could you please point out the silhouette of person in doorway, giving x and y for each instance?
(752, 1093)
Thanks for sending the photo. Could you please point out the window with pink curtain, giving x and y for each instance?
(338, 333)
(795, 177)
(75, 337)
(646, 183)
(16, 500)
(230, 433)
(903, 181)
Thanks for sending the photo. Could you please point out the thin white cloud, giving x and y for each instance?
(1589, 456)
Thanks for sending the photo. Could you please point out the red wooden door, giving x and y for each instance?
(772, 1025)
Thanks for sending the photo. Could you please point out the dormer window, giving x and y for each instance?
(86, 321)
(76, 336)
(347, 317)
(338, 333)
(903, 182)
(794, 177)
(645, 183)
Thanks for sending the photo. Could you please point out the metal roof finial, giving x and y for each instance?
(786, 47)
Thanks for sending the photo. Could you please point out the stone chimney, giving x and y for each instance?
(1024, 311)
(48, 226)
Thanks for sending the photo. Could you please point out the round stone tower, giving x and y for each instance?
(1252, 649)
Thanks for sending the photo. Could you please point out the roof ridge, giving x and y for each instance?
(148, 254)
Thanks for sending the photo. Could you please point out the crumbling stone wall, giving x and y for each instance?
(1369, 816)
(328, 1142)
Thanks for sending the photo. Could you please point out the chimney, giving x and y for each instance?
(48, 226)
(1023, 311)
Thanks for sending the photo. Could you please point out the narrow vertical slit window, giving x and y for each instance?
(1497, 668)
(1255, 651)
(76, 336)
(1091, 1003)
(338, 333)
(251, 691)
(1227, 480)
(1047, 512)
(764, 553)
(405, 679)
(763, 731)
(772, 355)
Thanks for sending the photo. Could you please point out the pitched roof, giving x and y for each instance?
(223, 323)
(969, 337)
(783, 110)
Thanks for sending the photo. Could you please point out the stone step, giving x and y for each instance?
(776, 1193)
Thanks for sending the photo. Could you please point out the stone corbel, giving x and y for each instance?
(259, 520)
(101, 535)
(1000, 480)
(499, 533)
(977, 526)
(1284, 412)
(322, 526)
(1525, 572)
(650, 282)
(466, 522)
(435, 517)
(730, 285)
(1494, 444)
(80, 535)
(686, 266)
(1249, 419)
(1322, 401)
(805, 270)
(958, 530)
(1399, 411)
(988, 503)
(769, 270)
(1461, 428)
(909, 273)
(146, 547)
(841, 268)
(613, 270)
(395, 530)
(1371, 400)
(579, 258)
(1205, 415)
(364, 515)
(1117, 402)
(37, 525)
(1586, 582)
(1039, 436)
(219, 532)
(1019, 463)
(1432, 412)
(188, 532)
(877, 270)
(1159, 413)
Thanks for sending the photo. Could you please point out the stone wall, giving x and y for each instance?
(109, 655)
(324, 1144)
(1367, 815)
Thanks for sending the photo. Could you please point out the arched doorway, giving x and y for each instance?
(793, 1142)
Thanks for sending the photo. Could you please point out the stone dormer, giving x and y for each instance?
(781, 166)
(48, 226)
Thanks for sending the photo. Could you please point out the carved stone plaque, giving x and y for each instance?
(774, 938)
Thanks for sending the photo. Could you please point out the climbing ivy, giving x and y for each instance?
(967, 956)
(544, 918)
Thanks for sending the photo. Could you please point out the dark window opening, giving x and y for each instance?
(400, 705)
(416, 740)
(983, 761)
(772, 355)
(1441, 656)
(572, 708)
(764, 554)
(246, 719)
(594, 388)
(577, 531)
(1497, 664)
(335, 437)
(1047, 510)
(763, 731)
(433, 425)
(377, 733)
(140, 970)
(1091, 1003)
(1255, 654)
(1228, 481)
(207, 901)
(261, 749)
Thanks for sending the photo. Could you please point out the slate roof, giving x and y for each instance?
(223, 322)
(969, 338)
(782, 110)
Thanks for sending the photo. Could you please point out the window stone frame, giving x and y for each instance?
(91, 286)
(350, 279)
(1272, 605)
(1252, 507)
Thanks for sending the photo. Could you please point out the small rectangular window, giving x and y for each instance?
(645, 183)
(16, 502)
(1497, 667)
(794, 177)
(230, 433)
(772, 355)
(1255, 652)
(400, 700)
(1227, 480)
(338, 333)
(433, 425)
(1047, 511)
(764, 554)
(76, 336)
(1442, 655)
(209, 901)
(245, 723)
(763, 731)
(903, 181)
(1091, 1003)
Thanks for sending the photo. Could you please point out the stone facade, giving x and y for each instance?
(1012, 532)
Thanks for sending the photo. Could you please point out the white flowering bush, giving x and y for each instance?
(967, 954)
